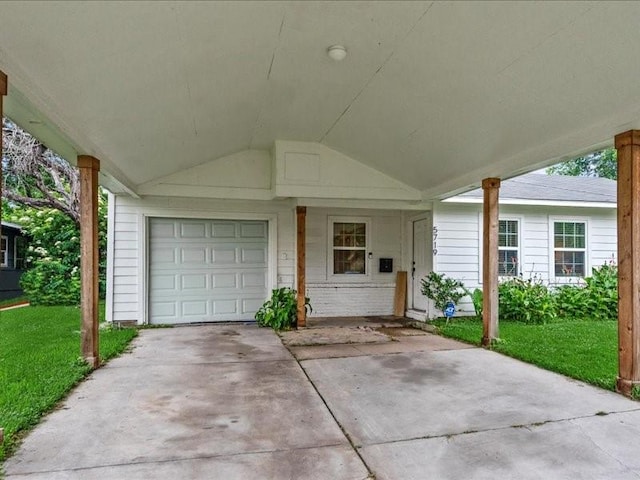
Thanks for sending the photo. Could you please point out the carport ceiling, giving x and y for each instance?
(437, 95)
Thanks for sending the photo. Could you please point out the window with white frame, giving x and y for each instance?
(569, 248)
(508, 248)
(4, 251)
(349, 246)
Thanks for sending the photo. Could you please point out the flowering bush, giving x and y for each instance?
(53, 257)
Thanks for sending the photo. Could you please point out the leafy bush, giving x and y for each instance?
(569, 300)
(53, 257)
(441, 289)
(280, 311)
(597, 298)
(51, 282)
(527, 301)
(476, 298)
(602, 292)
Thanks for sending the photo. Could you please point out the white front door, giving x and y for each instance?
(422, 259)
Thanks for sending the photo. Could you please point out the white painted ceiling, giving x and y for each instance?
(435, 94)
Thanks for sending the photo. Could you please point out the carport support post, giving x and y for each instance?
(301, 214)
(491, 188)
(628, 146)
(89, 168)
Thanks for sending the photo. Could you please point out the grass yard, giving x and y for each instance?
(40, 362)
(585, 350)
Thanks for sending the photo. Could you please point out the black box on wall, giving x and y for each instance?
(386, 265)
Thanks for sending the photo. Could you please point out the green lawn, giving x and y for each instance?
(586, 350)
(40, 362)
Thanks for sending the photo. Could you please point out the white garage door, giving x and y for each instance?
(206, 270)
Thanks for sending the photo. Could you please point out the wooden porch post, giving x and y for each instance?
(628, 146)
(491, 187)
(89, 168)
(301, 213)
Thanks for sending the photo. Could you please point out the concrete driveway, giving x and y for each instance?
(230, 402)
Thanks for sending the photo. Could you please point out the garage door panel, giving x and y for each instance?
(194, 281)
(206, 271)
(224, 255)
(224, 280)
(165, 256)
(163, 229)
(193, 255)
(193, 308)
(254, 280)
(225, 307)
(253, 255)
(164, 309)
(251, 305)
(222, 230)
(193, 229)
(164, 282)
(253, 230)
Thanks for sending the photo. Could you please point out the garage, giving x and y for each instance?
(206, 270)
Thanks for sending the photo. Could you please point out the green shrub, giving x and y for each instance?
(476, 298)
(527, 301)
(596, 299)
(569, 300)
(280, 311)
(441, 289)
(51, 282)
(602, 288)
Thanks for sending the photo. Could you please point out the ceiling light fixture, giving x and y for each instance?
(337, 52)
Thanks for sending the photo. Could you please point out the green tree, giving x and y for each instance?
(41, 193)
(597, 164)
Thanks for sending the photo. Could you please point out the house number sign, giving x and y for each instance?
(435, 244)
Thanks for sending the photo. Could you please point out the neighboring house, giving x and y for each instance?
(12, 253)
(209, 243)
(554, 228)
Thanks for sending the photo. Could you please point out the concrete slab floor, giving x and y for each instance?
(472, 413)
(199, 402)
(230, 402)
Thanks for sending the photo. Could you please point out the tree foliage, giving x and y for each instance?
(53, 256)
(41, 193)
(34, 176)
(597, 164)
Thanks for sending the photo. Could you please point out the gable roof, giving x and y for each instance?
(541, 189)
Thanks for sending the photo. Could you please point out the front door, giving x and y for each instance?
(422, 259)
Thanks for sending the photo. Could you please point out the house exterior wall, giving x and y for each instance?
(370, 294)
(459, 240)
(127, 265)
(330, 296)
(10, 277)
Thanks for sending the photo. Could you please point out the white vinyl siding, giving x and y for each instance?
(459, 240)
(128, 285)
(352, 294)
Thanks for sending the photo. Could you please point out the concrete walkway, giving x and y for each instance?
(230, 402)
